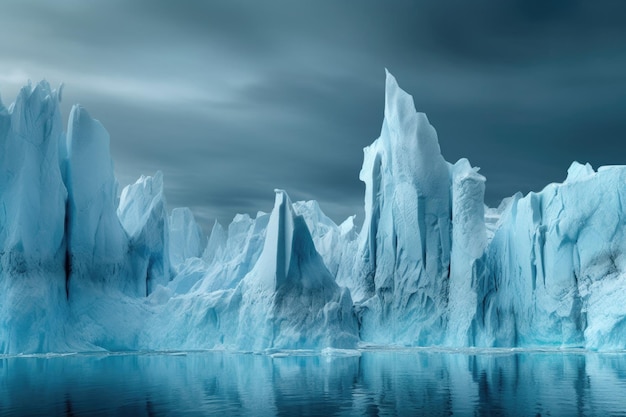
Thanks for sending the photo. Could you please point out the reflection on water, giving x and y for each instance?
(377, 383)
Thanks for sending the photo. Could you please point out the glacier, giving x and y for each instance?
(87, 267)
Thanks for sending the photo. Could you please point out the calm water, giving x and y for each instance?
(376, 383)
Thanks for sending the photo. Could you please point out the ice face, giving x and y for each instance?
(33, 295)
(216, 243)
(97, 241)
(403, 259)
(143, 213)
(469, 239)
(432, 265)
(185, 236)
(555, 266)
(334, 243)
(31, 185)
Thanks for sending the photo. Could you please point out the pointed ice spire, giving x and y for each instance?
(288, 246)
(399, 104)
(215, 244)
(403, 258)
(290, 297)
(280, 236)
(411, 141)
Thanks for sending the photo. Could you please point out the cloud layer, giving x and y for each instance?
(231, 99)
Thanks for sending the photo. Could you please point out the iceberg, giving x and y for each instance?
(288, 300)
(82, 269)
(33, 245)
(403, 261)
(555, 272)
(291, 285)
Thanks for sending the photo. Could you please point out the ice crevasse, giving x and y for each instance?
(85, 268)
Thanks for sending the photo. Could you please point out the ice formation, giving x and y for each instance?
(143, 213)
(33, 244)
(97, 242)
(185, 236)
(236, 252)
(555, 270)
(291, 285)
(469, 240)
(288, 300)
(81, 269)
(403, 263)
(335, 243)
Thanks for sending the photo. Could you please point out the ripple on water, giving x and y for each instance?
(370, 381)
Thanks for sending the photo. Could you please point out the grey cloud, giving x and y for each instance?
(231, 99)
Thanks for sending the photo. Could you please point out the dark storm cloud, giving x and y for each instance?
(234, 98)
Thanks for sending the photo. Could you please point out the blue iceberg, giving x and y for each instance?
(83, 269)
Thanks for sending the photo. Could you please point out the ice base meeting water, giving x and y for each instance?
(376, 383)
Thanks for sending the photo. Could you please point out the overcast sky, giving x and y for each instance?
(231, 99)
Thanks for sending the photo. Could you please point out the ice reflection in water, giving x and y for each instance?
(377, 383)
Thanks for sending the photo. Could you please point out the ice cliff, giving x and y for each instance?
(33, 240)
(555, 271)
(185, 236)
(97, 243)
(143, 214)
(82, 269)
(403, 263)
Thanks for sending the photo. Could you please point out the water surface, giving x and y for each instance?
(376, 383)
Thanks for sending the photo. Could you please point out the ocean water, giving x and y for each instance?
(396, 382)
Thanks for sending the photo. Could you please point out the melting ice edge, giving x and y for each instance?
(84, 271)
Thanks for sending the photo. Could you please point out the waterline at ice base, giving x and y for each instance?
(85, 268)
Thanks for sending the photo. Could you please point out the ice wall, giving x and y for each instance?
(469, 240)
(431, 266)
(97, 242)
(556, 266)
(216, 243)
(403, 261)
(185, 236)
(142, 211)
(66, 267)
(32, 215)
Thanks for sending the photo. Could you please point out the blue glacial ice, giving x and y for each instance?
(555, 272)
(402, 265)
(143, 214)
(83, 268)
(33, 241)
(287, 300)
(185, 237)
